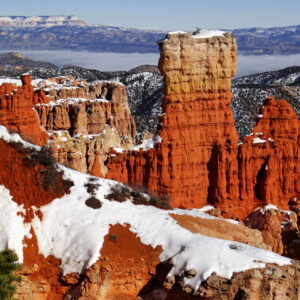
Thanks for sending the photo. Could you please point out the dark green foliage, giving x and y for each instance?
(19, 146)
(43, 157)
(8, 264)
(140, 195)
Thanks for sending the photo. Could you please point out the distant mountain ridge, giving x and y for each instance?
(71, 33)
(275, 40)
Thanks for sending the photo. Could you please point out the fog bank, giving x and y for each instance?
(251, 64)
(247, 64)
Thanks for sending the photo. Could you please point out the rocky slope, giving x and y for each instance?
(70, 235)
(250, 91)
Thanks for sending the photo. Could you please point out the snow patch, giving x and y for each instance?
(203, 33)
(258, 140)
(147, 144)
(177, 32)
(74, 232)
(12, 227)
(16, 82)
(70, 101)
(14, 137)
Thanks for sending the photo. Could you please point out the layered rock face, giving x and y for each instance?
(85, 120)
(87, 108)
(87, 153)
(271, 282)
(196, 160)
(199, 160)
(64, 87)
(16, 111)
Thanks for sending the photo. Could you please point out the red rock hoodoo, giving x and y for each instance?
(16, 111)
(199, 160)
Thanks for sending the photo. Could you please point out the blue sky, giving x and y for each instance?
(166, 14)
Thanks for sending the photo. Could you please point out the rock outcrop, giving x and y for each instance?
(85, 120)
(279, 229)
(16, 111)
(199, 159)
(223, 229)
(87, 153)
(64, 87)
(270, 283)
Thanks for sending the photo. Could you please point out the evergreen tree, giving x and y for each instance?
(8, 264)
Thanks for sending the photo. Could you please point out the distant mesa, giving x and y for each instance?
(22, 21)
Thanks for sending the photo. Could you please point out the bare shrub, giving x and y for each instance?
(93, 202)
(139, 196)
(113, 238)
(119, 193)
(92, 187)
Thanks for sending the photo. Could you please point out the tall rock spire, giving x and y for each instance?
(196, 160)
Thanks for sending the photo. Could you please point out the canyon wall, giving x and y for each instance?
(200, 159)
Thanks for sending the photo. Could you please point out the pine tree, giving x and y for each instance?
(8, 264)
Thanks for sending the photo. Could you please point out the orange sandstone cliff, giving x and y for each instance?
(16, 111)
(199, 159)
(87, 108)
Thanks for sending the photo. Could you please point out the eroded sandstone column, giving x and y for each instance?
(196, 160)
